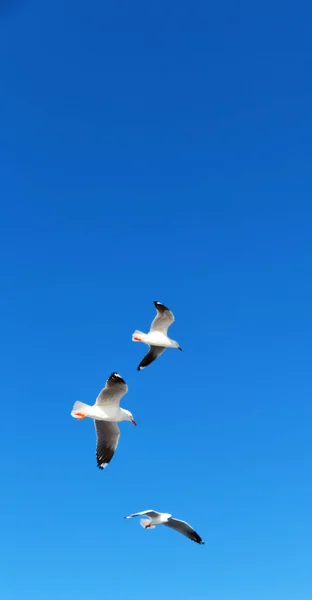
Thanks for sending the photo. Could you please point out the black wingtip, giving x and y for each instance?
(180, 348)
(99, 463)
(116, 378)
(160, 306)
(199, 541)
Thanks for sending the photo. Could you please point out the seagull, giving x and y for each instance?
(106, 413)
(157, 518)
(157, 338)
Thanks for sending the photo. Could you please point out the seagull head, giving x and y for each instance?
(132, 419)
(129, 416)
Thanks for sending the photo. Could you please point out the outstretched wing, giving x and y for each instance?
(113, 391)
(163, 319)
(185, 529)
(107, 438)
(148, 513)
(152, 354)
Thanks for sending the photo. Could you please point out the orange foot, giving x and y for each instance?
(80, 416)
(147, 526)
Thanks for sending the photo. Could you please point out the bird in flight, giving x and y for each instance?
(157, 518)
(106, 413)
(157, 338)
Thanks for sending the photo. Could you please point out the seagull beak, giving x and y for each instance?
(133, 421)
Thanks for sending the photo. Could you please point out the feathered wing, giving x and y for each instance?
(107, 438)
(163, 319)
(113, 391)
(153, 353)
(185, 529)
(148, 513)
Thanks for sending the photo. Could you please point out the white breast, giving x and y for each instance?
(105, 413)
(156, 338)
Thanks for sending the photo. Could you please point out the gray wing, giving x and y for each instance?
(185, 529)
(163, 319)
(113, 391)
(152, 354)
(107, 438)
(149, 513)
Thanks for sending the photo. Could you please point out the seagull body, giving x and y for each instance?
(100, 413)
(156, 518)
(106, 413)
(157, 338)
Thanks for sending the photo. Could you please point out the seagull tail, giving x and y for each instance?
(137, 336)
(80, 410)
(146, 524)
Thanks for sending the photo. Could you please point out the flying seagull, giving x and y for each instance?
(157, 338)
(106, 413)
(156, 518)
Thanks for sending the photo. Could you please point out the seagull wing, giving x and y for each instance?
(107, 438)
(148, 513)
(152, 354)
(185, 529)
(163, 319)
(113, 391)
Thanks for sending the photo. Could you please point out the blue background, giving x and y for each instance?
(156, 152)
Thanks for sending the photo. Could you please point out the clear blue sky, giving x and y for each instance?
(156, 152)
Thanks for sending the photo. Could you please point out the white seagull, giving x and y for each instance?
(157, 338)
(106, 413)
(157, 518)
